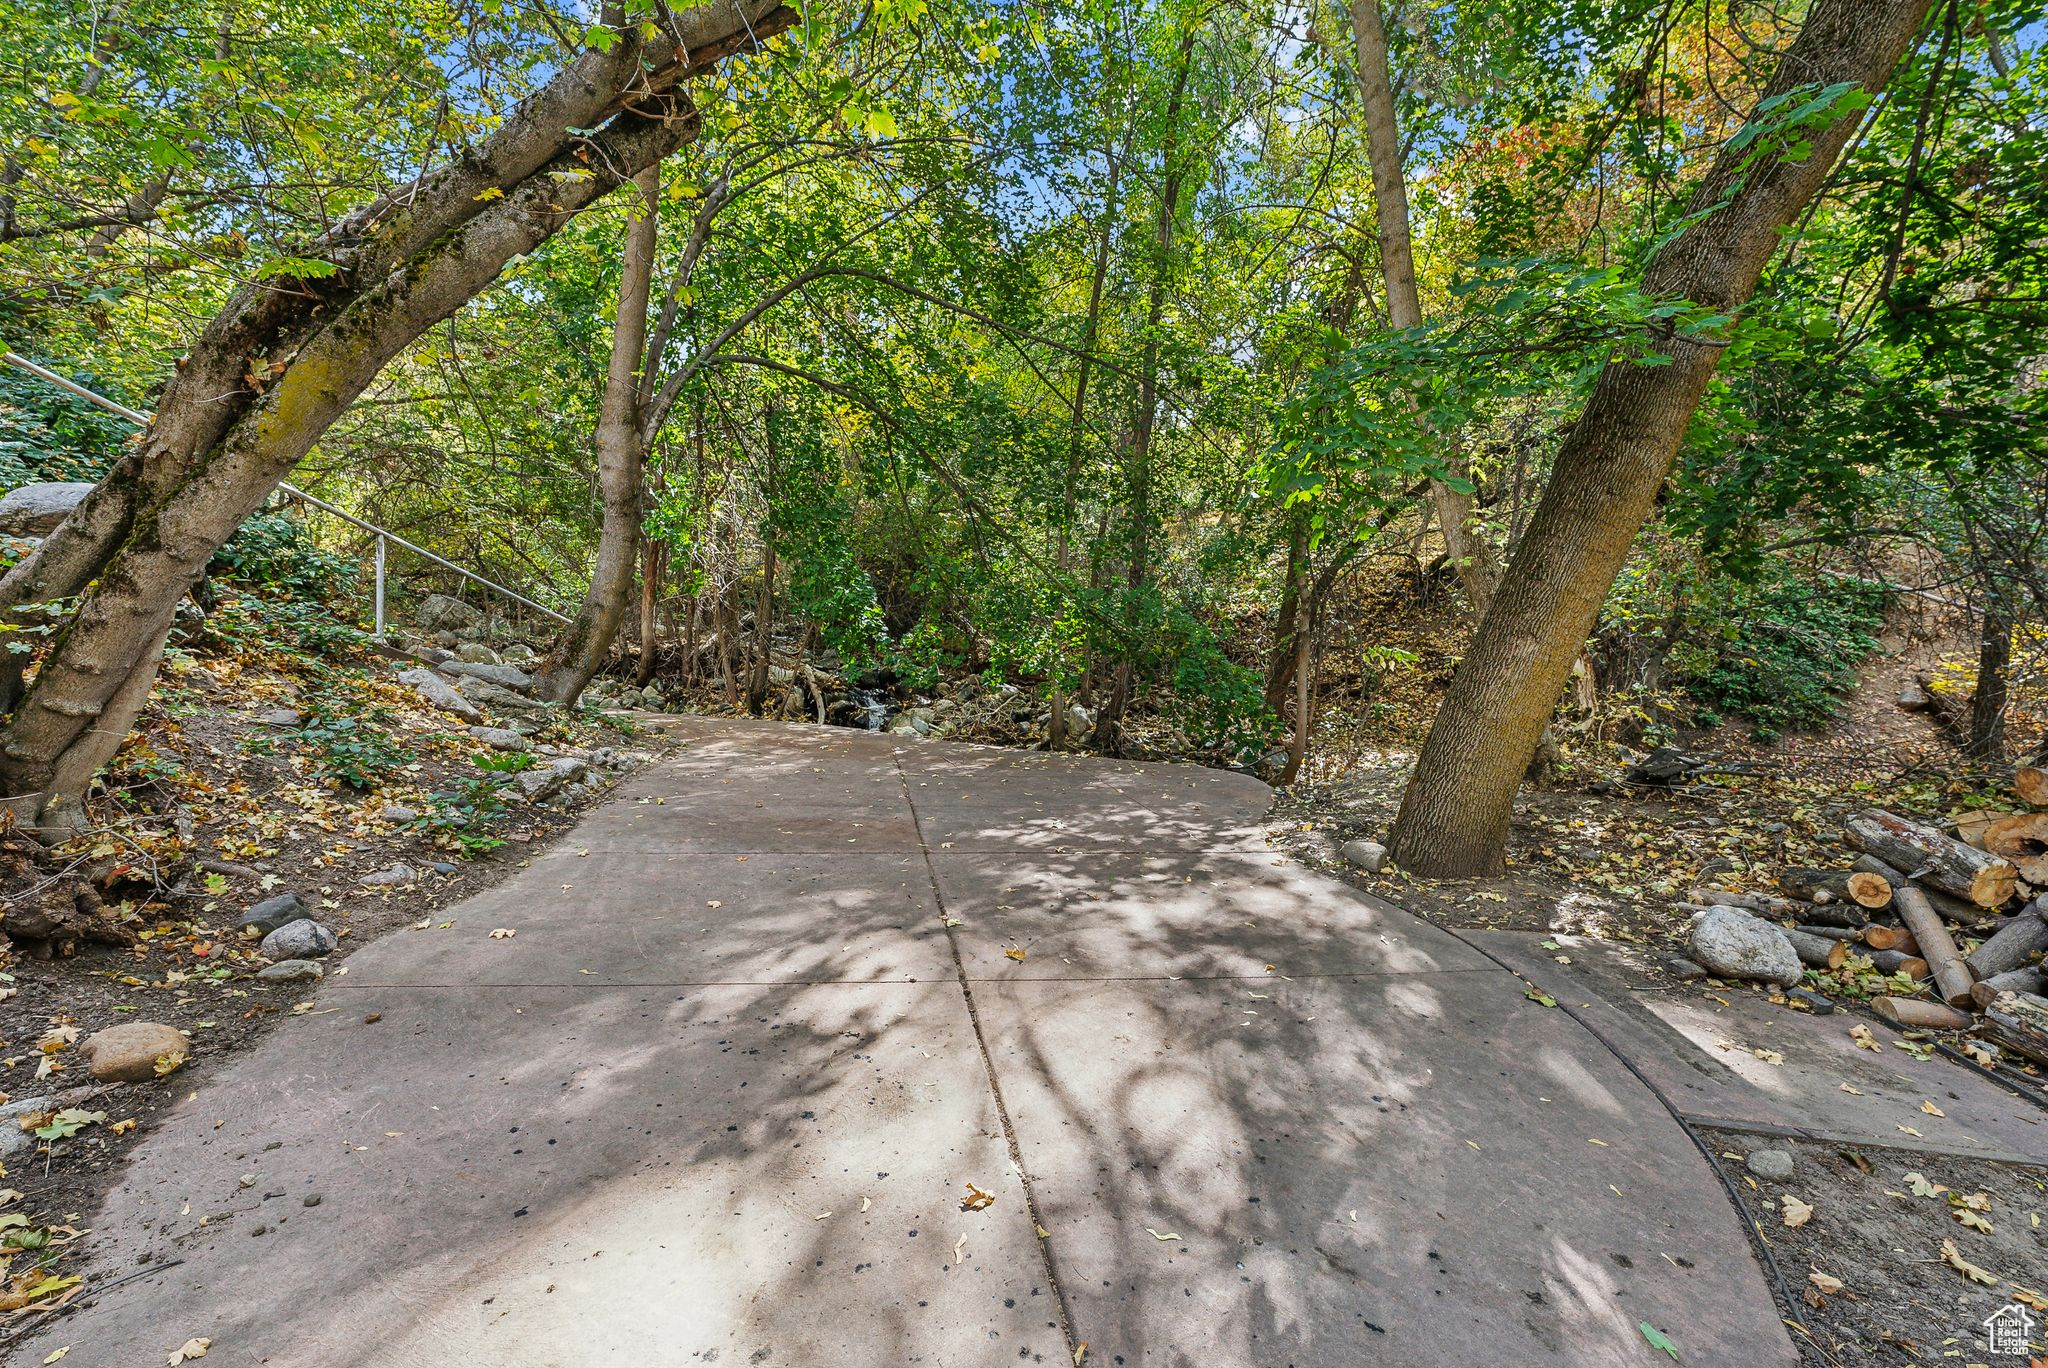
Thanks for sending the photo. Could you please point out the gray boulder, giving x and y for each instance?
(1369, 856)
(501, 738)
(280, 717)
(282, 910)
(1735, 945)
(570, 768)
(441, 694)
(398, 814)
(539, 785)
(391, 878)
(34, 509)
(299, 940)
(478, 690)
(504, 676)
(291, 971)
(476, 653)
(439, 613)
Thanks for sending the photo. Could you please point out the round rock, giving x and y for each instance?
(1772, 1165)
(1732, 944)
(128, 1053)
(299, 940)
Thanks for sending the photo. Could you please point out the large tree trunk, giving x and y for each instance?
(1470, 555)
(1454, 817)
(283, 359)
(621, 468)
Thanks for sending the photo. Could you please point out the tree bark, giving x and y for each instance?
(1470, 555)
(587, 638)
(1951, 976)
(653, 561)
(1454, 817)
(285, 357)
(1984, 741)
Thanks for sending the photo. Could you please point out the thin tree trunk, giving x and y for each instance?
(1985, 742)
(1056, 727)
(1297, 744)
(1109, 725)
(284, 358)
(621, 467)
(653, 559)
(1287, 623)
(1470, 554)
(1454, 817)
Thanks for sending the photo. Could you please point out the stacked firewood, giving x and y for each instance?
(1966, 914)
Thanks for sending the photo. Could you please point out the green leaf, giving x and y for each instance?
(1657, 1340)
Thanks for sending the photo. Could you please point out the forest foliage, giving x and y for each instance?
(1048, 343)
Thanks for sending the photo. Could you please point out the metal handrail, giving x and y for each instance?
(141, 419)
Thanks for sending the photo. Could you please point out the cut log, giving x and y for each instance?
(1936, 860)
(1818, 952)
(1952, 978)
(1971, 826)
(2022, 839)
(1836, 885)
(1899, 962)
(1846, 934)
(2030, 785)
(1889, 938)
(1870, 864)
(1961, 911)
(2013, 944)
(2011, 981)
(2019, 1022)
(1920, 1014)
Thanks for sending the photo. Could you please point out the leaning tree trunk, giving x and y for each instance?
(1985, 739)
(1470, 555)
(280, 362)
(621, 469)
(1454, 817)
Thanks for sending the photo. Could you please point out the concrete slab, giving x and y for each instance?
(1377, 1152)
(1106, 914)
(564, 1178)
(1421, 1169)
(1698, 1044)
(604, 920)
(973, 798)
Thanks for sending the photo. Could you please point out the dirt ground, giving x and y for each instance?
(1883, 1263)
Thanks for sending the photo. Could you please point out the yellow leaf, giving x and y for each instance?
(1796, 1212)
(1931, 1109)
(1864, 1039)
(1015, 952)
(193, 1348)
(57, 1354)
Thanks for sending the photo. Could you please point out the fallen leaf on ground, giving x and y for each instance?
(1922, 1188)
(1657, 1340)
(1857, 1092)
(56, 1354)
(1797, 1213)
(193, 1348)
(1539, 997)
(1953, 1257)
(1157, 1236)
(1931, 1109)
(503, 933)
(1769, 1056)
(976, 1199)
(1826, 1282)
(1909, 1130)
(1863, 1038)
(1015, 952)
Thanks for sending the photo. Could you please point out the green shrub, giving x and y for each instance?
(1779, 653)
(348, 743)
